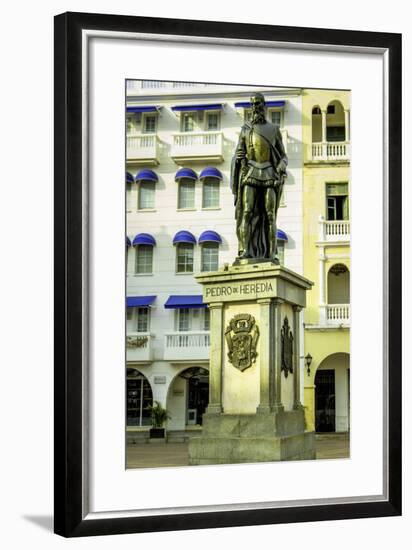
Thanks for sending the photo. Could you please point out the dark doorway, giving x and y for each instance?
(325, 401)
(138, 397)
(197, 394)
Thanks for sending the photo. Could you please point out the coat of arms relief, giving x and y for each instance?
(287, 348)
(242, 335)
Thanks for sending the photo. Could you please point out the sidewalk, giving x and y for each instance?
(157, 455)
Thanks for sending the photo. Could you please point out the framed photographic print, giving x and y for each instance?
(228, 274)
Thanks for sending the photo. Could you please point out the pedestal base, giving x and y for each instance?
(239, 438)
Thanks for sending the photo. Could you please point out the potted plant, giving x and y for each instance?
(159, 416)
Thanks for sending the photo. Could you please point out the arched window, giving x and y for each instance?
(186, 180)
(144, 243)
(184, 257)
(186, 194)
(146, 180)
(210, 256)
(335, 122)
(210, 178)
(144, 259)
(130, 185)
(139, 397)
(316, 125)
(339, 284)
(210, 241)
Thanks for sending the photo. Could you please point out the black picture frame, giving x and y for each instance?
(69, 514)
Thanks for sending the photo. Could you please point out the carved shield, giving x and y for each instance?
(287, 348)
(241, 336)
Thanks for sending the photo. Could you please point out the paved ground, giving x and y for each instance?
(155, 455)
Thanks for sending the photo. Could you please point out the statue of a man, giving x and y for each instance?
(257, 176)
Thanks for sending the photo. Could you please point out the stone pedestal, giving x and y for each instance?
(254, 412)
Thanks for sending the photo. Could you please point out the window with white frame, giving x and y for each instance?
(276, 117)
(143, 319)
(187, 122)
(130, 196)
(144, 258)
(210, 256)
(183, 319)
(149, 124)
(210, 193)
(184, 257)
(146, 196)
(186, 194)
(281, 251)
(212, 121)
(337, 201)
(206, 318)
(247, 114)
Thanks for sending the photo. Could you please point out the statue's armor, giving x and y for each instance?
(259, 171)
(257, 148)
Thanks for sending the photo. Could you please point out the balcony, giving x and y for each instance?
(187, 346)
(197, 147)
(139, 346)
(143, 149)
(334, 230)
(330, 151)
(144, 86)
(334, 315)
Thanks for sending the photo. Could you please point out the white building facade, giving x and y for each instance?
(180, 221)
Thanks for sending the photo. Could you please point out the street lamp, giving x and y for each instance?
(308, 361)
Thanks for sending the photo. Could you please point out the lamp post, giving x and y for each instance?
(308, 361)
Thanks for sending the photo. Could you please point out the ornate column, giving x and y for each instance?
(216, 357)
(277, 327)
(324, 140)
(347, 129)
(322, 287)
(297, 405)
(266, 350)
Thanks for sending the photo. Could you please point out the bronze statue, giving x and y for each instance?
(258, 174)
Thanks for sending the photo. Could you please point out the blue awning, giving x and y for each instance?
(128, 243)
(185, 173)
(203, 107)
(129, 178)
(144, 238)
(147, 175)
(141, 109)
(184, 237)
(281, 235)
(175, 302)
(210, 172)
(140, 301)
(210, 237)
(248, 105)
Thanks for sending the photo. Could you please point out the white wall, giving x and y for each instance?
(25, 475)
(165, 221)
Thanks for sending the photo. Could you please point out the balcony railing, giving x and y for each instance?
(197, 146)
(334, 230)
(185, 346)
(338, 314)
(143, 149)
(141, 86)
(334, 314)
(331, 151)
(139, 346)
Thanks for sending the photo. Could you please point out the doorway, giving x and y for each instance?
(325, 413)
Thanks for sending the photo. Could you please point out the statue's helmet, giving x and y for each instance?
(257, 100)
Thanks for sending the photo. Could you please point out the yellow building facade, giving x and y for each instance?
(326, 257)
